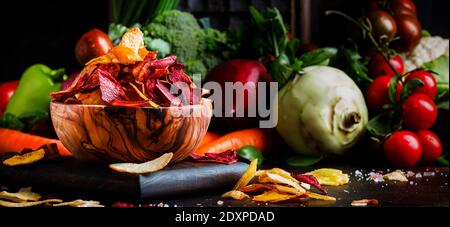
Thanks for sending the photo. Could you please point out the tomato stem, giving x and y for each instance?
(368, 30)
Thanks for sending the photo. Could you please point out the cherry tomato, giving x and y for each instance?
(403, 10)
(7, 89)
(383, 25)
(406, 4)
(378, 93)
(92, 44)
(379, 67)
(430, 84)
(431, 146)
(419, 112)
(409, 31)
(403, 149)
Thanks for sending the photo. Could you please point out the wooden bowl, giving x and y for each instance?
(126, 134)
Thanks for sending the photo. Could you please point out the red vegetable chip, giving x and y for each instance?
(110, 88)
(311, 180)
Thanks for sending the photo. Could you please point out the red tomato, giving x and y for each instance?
(419, 112)
(409, 31)
(379, 67)
(403, 10)
(430, 83)
(407, 4)
(403, 149)
(378, 93)
(431, 146)
(92, 44)
(7, 89)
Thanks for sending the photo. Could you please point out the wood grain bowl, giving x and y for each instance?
(126, 134)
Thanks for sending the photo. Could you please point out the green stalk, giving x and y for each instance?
(130, 9)
(138, 13)
(370, 35)
(116, 8)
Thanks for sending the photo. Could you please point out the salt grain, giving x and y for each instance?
(220, 202)
(358, 173)
(410, 174)
(418, 175)
(429, 174)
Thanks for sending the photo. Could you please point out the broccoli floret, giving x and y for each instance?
(199, 49)
(181, 30)
(196, 66)
(210, 61)
(159, 45)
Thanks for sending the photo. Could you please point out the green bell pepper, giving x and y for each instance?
(32, 93)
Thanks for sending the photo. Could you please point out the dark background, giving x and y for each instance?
(46, 31)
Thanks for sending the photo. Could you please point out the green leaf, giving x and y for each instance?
(410, 87)
(441, 160)
(258, 18)
(442, 98)
(393, 89)
(281, 71)
(303, 161)
(292, 48)
(351, 62)
(25, 122)
(10, 121)
(318, 56)
(440, 67)
(384, 124)
(251, 153)
(425, 33)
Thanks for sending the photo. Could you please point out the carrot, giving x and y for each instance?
(259, 138)
(16, 141)
(210, 136)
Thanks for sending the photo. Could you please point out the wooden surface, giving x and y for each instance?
(72, 179)
(425, 192)
(122, 134)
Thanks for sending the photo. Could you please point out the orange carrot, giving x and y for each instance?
(259, 138)
(209, 137)
(16, 141)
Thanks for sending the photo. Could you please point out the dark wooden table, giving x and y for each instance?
(427, 191)
(427, 187)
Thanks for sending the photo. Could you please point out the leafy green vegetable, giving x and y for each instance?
(272, 41)
(384, 124)
(318, 56)
(12, 122)
(128, 12)
(350, 61)
(251, 153)
(26, 122)
(441, 68)
(303, 161)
